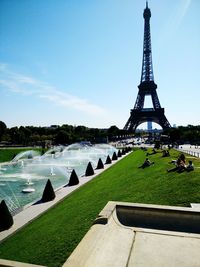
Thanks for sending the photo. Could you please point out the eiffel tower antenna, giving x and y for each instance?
(147, 86)
(147, 65)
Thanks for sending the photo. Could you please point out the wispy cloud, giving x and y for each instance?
(183, 11)
(173, 22)
(26, 85)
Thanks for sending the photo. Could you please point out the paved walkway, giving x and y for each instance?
(31, 212)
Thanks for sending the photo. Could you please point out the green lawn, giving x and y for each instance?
(50, 239)
(9, 153)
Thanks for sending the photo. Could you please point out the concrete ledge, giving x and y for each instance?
(8, 263)
(114, 240)
(166, 219)
(195, 206)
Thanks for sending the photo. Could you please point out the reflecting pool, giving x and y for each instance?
(29, 172)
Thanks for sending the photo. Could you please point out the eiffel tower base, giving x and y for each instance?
(139, 116)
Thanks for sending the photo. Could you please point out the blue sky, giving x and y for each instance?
(79, 62)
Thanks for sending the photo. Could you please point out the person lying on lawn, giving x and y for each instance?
(146, 163)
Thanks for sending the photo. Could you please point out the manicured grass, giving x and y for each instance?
(8, 154)
(50, 239)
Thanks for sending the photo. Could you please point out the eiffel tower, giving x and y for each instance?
(139, 114)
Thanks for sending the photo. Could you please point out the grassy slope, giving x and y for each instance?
(50, 239)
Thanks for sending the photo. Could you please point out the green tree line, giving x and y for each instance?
(65, 134)
(68, 134)
(185, 134)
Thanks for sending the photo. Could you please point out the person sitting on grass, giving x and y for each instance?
(190, 166)
(146, 163)
(180, 166)
(165, 153)
(180, 158)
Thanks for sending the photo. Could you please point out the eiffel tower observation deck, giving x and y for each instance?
(147, 86)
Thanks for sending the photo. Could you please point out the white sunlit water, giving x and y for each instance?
(29, 170)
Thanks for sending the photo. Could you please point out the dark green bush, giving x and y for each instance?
(6, 219)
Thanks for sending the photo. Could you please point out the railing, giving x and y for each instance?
(190, 152)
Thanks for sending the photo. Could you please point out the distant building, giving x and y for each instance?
(149, 126)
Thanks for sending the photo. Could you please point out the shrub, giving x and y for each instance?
(6, 219)
(48, 193)
(108, 160)
(114, 157)
(100, 164)
(89, 170)
(73, 180)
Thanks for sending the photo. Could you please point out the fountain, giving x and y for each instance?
(28, 190)
(52, 172)
(29, 182)
(28, 172)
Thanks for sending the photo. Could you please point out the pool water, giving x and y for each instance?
(29, 170)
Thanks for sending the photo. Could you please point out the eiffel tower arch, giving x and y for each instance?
(147, 87)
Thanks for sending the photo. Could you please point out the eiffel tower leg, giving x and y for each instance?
(164, 123)
(132, 123)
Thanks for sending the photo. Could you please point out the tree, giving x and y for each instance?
(113, 132)
(3, 128)
(62, 137)
(174, 134)
(25, 134)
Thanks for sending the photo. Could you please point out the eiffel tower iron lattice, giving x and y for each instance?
(139, 114)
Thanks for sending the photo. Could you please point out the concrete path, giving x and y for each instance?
(31, 212)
